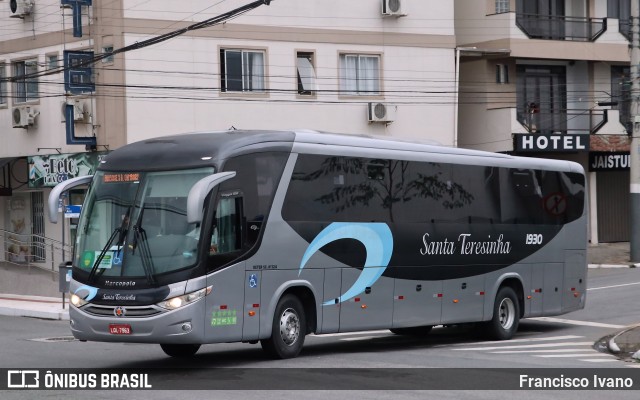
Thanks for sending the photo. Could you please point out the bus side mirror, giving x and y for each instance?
(56, 192)
(199, 191)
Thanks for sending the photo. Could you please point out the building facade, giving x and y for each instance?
(551, 79)
(378, 67)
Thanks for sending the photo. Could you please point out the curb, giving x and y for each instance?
(594, 266)
(33, 306)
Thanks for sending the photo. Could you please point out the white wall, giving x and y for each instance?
(47, 17)
(432, 17)
(412, 78)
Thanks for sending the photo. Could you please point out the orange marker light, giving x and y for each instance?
(363, 306)
(456, 301)
(252, 313)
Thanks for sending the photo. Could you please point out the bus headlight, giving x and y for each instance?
(77, 300)
(180, 301)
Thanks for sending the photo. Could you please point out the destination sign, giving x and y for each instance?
(117, 178)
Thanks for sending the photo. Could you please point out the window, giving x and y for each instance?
(360, 74)
(25, 89)
(242, 70)
(3, 85)
(502, 6)
(109, 58)
(52, 61)
(502, 73)
(621, 92)
(306, 73)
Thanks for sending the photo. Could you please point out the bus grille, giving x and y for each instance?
(131, 312)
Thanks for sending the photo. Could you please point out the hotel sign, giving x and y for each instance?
(542, 143)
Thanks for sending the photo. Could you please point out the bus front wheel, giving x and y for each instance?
(506, 315)
(288, 329)
(180, 350)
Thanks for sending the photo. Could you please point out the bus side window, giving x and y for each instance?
(227, 231)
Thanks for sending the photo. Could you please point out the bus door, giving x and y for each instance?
(370, 309)
(226, 303)
(416, 303)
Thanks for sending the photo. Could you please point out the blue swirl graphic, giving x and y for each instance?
(377, 240)
(90, 291)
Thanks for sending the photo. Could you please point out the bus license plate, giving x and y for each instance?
(120, 329)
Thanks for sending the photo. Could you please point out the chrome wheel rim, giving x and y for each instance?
(506, 313)
(289, 326)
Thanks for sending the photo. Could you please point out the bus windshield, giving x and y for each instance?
(135, 224)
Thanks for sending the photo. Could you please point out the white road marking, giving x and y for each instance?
(350, 333)
(594, 354)
(352, 339)
(526, 346)
(539, 339)
(614, 286)
(538, 351)
(574, 322)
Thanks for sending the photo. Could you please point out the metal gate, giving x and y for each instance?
(38, 250)
(613, 206)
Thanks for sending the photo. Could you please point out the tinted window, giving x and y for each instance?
(367, 190)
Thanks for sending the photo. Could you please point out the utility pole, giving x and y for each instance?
(635, 135)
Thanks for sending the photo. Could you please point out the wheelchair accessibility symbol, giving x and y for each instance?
(253, 280)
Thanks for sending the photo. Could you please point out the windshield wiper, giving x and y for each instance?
(120, 232)
(106, 248)
(140, 237)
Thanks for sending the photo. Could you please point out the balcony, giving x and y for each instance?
(550, 27)
(563, 121)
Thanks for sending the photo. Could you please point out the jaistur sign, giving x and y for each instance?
(551, 143)
(609, 161)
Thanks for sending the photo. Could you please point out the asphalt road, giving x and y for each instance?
(560, 342)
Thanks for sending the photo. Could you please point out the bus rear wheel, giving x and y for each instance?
(413, 331)
(288, 329)
(506, 315)
(180, 350)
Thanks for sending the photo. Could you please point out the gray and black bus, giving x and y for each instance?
(247, 236)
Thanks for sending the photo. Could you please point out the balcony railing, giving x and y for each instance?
(553, 27)
(624, 26)
(563, 121)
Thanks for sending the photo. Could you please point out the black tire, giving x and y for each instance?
(180, 350)
(506, 316)
(288, 329)
(413, 331)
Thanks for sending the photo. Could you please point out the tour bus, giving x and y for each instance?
(247, 236)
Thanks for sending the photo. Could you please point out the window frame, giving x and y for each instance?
(244, 77)
(313, 79)
(343, 80)
(21, 92)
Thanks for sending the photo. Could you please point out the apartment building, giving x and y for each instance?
(383, 67)
(550, 78)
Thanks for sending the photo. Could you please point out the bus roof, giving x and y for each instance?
(201, 149)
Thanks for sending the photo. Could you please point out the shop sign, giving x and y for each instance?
(609, 161)
(542, 143)
(49, 170)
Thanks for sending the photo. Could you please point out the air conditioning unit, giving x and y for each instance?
(21, 8)
(80, 110)
(392, 8)
(24, 116)
(381, 112)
